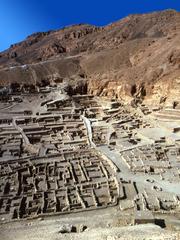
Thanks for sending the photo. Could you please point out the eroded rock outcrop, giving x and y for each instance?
(136, 57)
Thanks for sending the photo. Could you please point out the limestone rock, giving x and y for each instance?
(137, 56)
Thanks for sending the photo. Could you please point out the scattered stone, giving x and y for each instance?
(67, 228)
(82, 228)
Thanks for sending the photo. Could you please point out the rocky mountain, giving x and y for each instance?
(136, 57)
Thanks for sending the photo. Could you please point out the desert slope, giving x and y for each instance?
(136, 57)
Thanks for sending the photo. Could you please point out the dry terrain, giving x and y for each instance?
(90, 132)
(136, 57)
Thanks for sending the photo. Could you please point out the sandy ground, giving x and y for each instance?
(51, 231)
(104, 224)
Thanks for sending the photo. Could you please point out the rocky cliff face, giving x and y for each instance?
(136, 57)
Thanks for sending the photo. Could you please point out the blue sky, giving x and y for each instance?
(20, 18)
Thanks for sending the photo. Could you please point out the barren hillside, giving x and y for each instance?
(138, 56)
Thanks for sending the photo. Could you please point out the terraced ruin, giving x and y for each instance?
(77, 153)
(90, 132)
